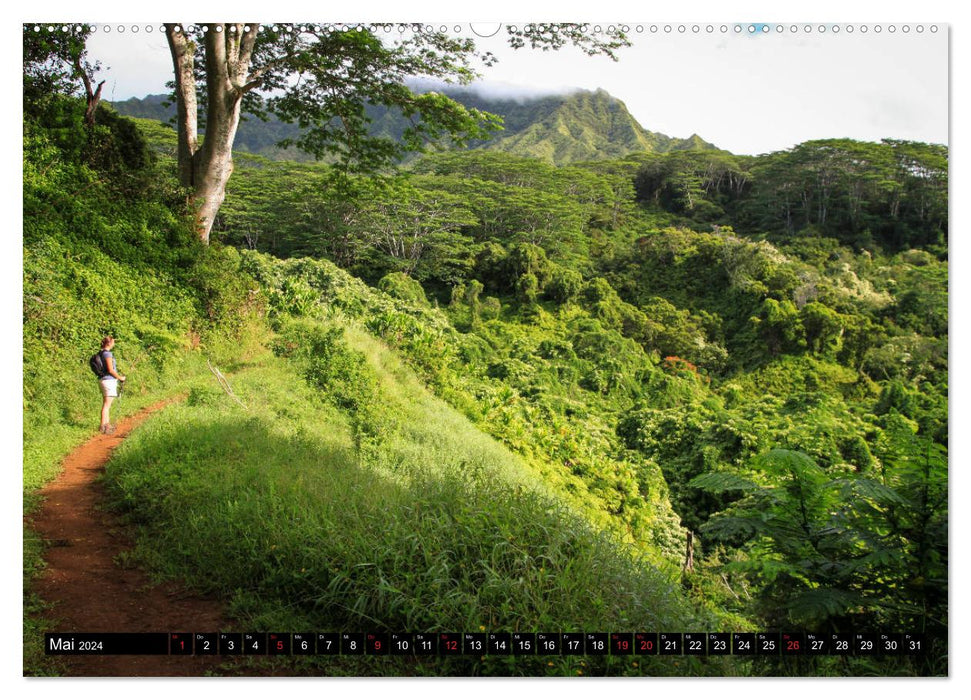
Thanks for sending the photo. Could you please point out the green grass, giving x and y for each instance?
(562, 434)
(429, 526)
(48, 442)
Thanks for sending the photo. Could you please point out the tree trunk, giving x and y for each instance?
(92, 105)
(92, 95)
(689, 552)
(206, 169)
(186, 107)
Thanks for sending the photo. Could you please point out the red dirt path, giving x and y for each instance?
(89, 591)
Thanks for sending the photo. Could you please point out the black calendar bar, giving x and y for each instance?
(105, 643)
(485, 643)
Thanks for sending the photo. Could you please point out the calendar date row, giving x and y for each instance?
(487, 643)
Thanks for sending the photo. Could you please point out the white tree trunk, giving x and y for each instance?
(206, 168)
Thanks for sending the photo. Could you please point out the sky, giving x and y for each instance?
(745, 91)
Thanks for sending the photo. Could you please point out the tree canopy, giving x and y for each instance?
(323, 78)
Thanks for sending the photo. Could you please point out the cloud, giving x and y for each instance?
(896, 114)
(494, 90)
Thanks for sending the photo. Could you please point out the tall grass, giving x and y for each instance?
(570, 443)
(424, 525)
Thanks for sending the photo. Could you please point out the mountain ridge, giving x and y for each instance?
(579, 125)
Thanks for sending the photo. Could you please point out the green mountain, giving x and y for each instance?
(579, 126)
(560, 129)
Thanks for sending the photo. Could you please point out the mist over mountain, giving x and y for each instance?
(559, 126)
(493, 90)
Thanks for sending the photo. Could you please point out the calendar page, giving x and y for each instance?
(451, 349)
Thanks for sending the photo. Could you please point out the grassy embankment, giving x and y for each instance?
(356, 500)
(104, 254)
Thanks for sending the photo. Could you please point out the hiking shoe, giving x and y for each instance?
(108, 430)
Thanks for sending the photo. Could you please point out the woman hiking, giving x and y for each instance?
(108, 379)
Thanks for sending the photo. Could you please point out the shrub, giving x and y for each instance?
(294, 297)
(529, 259)
(491, 308)
(343, 374)
(564, 285)
(401, 286)
(527, 288)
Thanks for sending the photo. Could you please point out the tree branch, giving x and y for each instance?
(183, 61)
(217, 68)
(246, 44)
(84, 77)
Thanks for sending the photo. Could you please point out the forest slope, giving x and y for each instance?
(623, 351)
(345, 494)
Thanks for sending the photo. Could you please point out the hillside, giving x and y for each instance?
(670, 390)
(560, 129)
(366, 501)
(580, 126)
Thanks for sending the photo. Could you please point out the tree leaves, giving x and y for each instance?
(825, 550)
(717, 482)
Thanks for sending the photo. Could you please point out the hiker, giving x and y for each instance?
(108, 378)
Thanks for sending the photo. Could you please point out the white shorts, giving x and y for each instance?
(109, 387)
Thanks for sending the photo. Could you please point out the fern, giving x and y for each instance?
(809, 607)
(847, 553)
(717, 482)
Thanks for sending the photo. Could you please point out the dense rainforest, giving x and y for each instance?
(684, 389)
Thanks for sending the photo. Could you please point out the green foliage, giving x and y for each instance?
(579, 126)
(642, 371)
(823, 327)
(491, 308)
(893, 193)
(527, 288)
(103, 254)
(627, 379)
(339, 372)
(698, 184)
(897, 397)
(564, 285)
(52, 63)
(505, 392)
(836, 552)
(401, 286)
(293, 297)
(599, 127)
(528, 259)
(490, 266)
(780, 326)
(101, 258)
(226, 297)
(439, 527)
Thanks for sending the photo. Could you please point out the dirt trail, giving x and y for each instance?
(89, 591)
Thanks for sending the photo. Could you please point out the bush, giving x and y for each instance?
(343, 374)
(491, 309)
(598, 290)
(294, 297)
(490, 266)
(528, 259)
(564, 285)
(527, 288)
(401, 286)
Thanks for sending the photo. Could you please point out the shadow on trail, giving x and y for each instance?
(87, 590)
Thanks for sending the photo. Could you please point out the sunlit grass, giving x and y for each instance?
(432, 527)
